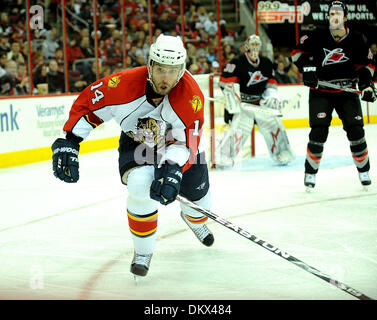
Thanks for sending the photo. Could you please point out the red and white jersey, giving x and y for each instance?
(178, 118)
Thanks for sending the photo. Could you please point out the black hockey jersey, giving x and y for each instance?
(340, 61)
(253, 78)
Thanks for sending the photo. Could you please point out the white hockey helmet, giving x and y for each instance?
(169, 51)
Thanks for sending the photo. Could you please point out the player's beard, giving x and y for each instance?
(163, 87)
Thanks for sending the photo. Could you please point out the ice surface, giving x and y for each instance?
(71, 241)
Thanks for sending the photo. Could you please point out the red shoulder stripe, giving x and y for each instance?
(230, 79)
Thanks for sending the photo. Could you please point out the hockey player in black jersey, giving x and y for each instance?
(339, 57)
(250, 78)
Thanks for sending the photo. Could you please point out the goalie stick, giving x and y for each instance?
(275, 250)
(257, 108)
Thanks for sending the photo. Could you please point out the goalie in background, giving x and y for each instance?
(249, 79)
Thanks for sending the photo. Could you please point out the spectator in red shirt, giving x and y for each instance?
(138, 20)
(165, 5)
(73, 51)
(130, 7)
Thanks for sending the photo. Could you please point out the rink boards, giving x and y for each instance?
(29, 125)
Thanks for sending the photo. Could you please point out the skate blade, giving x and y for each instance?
(308, 189)
(365, 188)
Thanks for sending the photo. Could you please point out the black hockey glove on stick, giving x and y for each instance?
(65, 161)
(309, 76)
(368, 91)
(166, 184)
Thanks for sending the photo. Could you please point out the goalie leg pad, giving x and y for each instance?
(235, 137)
(275, 137)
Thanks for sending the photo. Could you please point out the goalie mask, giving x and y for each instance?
(166, 63)
(337, 15)
(253, 45)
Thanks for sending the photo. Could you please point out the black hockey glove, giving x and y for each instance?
(309, 76)
(65, 161)
(166, 184)
(368, 91)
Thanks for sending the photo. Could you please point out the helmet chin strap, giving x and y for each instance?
(153, 86)
(150, 78)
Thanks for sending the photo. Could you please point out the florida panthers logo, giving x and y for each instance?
(256, 77)
(334, 56)
(149, 131)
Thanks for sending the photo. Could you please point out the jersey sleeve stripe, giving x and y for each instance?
(272, 82)
(297, 53)
(369, 67)
(227, 80)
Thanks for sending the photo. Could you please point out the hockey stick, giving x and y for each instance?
(259, 108)
(275, 250)
(334, 86)
(256, 108)
(291, 103)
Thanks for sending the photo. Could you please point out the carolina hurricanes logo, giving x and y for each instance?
(334, 56)
(255, 77)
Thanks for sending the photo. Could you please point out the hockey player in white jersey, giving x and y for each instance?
(249, 80)
(159, 108)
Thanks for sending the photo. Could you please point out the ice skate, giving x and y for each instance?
(140, 265)
(309, 181)
(201, 231)
(365, 179)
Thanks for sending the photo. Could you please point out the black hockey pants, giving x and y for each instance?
(348, 108)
